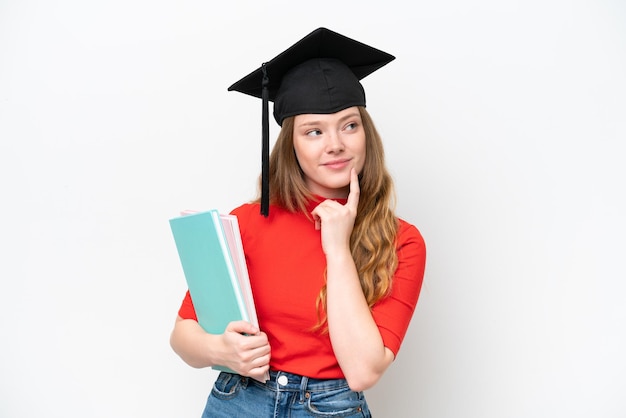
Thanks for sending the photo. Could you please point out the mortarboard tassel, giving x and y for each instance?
(265, 158)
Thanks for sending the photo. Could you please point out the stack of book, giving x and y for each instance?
(211, 254)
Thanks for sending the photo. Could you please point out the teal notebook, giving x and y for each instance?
(211, 254)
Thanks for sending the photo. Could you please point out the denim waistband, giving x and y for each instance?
(284, 381)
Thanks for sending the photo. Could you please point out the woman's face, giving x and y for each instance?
(327, 147)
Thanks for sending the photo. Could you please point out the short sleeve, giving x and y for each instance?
(187, 311)
(393, 314)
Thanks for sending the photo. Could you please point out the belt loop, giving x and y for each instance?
(304, 382)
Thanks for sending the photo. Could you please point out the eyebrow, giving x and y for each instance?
(317, 122)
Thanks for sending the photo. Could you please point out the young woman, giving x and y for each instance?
(335, 274)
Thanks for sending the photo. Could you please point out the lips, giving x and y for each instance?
(337, 163)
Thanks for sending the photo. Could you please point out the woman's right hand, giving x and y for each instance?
(242, 347)
(245, 350)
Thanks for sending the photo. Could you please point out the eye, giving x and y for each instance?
(314, 132)
(351, 126)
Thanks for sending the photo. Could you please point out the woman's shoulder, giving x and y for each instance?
(407, 232)
(250, 212)
(245, 208)
(246, 211)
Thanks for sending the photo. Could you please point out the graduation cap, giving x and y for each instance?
(318, 74)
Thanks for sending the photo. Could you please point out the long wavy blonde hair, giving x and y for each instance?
(373, 238)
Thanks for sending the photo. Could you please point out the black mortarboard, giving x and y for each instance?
(318, 74)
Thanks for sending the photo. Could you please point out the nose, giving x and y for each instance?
(334, 143)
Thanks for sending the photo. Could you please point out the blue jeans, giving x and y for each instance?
(284, 395)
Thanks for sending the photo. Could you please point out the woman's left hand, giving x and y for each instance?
(336, 220)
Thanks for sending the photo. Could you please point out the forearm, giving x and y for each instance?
(241, 348)
(193, 344)
(355, 337)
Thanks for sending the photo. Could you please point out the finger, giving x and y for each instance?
(242, 327)
(320, 212)
(318, 221)
(355, 190)
(260, 373)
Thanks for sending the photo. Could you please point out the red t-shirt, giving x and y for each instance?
(286, 265)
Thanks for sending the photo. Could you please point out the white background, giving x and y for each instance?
(504, 124)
